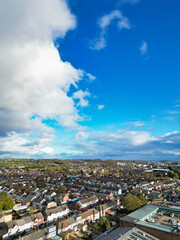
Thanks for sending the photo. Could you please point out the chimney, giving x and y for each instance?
(93, 214)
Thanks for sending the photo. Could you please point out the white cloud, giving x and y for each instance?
(133, 137)
(98, 43)
(104, 22)
(143, 48)
(136, 123)
(35, 82)
(173, 112)
(22, 144)
(100, 106)
(81, 96)
(81, 135)
(90, 76)
(125, 144)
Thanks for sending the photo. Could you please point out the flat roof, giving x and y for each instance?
(143, 212)
(22, 207)
(155, 226)
(116, 234)
(139, 215)
(170, 208)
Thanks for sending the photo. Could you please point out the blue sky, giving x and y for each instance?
(90, 79)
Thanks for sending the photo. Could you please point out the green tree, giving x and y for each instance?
(143, 200)
(82, 172)
(131, 202)
(6, 201)
(173, 175)
(107, 224)
(61, 189)
(32, 209)
(96, 226)
(41, 184)
(104, 224)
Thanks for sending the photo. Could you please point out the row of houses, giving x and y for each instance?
(16, 227)
(52, 216)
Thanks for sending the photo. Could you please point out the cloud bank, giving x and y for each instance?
(35, 81)
(126, 144)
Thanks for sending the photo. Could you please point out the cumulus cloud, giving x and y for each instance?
(83, 102)
(100, 106)
(125, 144)
(143, 48)
(104, 22)
(23, 145)
(35, 82)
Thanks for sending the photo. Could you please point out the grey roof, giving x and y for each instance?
(129, 219)
(72, 220)
(35, 235)
(155, 226)
(3, 228)
(11, 224)
(37, 215)
(143, 212)
(127, 233)
(23, 221)
(53, 210)
(87, 200)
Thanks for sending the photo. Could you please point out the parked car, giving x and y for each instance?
(171, 214)
(151, 220)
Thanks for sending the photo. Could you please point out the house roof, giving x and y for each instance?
(23, 221)
(38, 200)
(11, 224)
(64, 234)
(35, 235)
(37, 216)
(53, 210)
(22, 207)
(109, 212)
(65, 223)
(103, 207)
(88, 213)
(87, 200)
